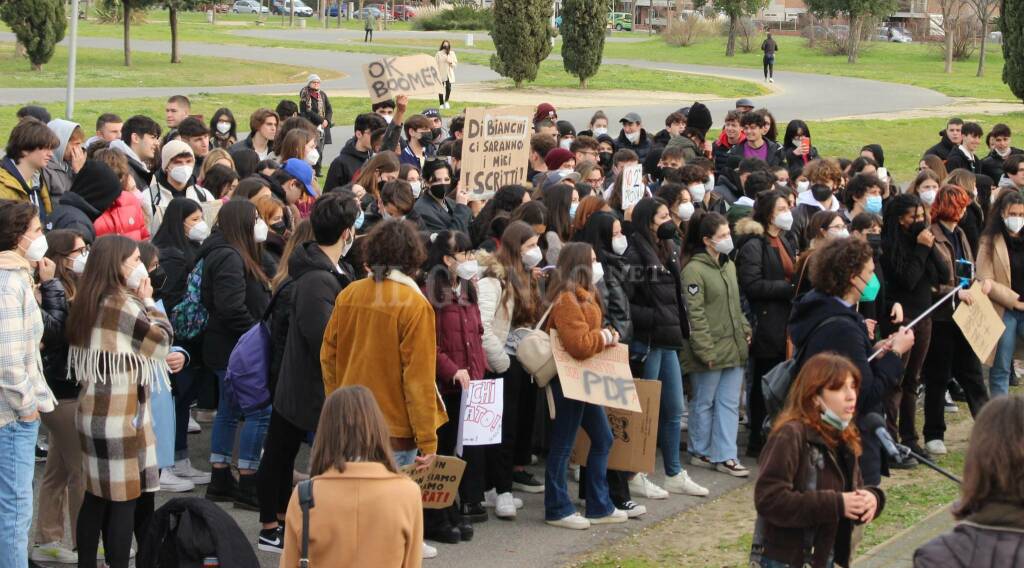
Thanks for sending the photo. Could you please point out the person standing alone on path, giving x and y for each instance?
(769, 47)
(446, 62)
(369, 23)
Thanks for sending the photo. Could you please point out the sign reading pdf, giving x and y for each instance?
(496, 149)
(632, 186)
(604, 379)
(482, 408)
(439, 483)
(411, 75)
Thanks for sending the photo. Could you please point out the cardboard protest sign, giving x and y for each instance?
(482, 410)
(411, 75)
(634, 436)
(632, 186)
(496, 149)
(980, 323)
(439, 483)
(604, 379)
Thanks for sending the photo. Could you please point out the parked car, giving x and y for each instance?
(403, 12)
(332, 10)
(996, 36)
(620, 21)
(284, 7)
(888, 33)
(249, 7)
(216, 7)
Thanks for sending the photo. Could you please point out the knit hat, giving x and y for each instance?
(699, 117)
(556, 157)
(312, 77)
(97, 184)
(545, 111)
(172, 150)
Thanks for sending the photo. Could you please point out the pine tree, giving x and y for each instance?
(522, 38)
(583, 26)
(1011, 23)
(39, 26)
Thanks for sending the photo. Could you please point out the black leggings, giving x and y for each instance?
(949, 356)
(769, 66)
(447, 93)
(368, 36)
(274, 478)
(116, 521)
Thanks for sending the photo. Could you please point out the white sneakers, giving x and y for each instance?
(446, 105)
(682, 484)
(193, 426)
(491, 499)
(183, 469)
(642, 486)
(574, 521)
(616, 516)
(173, 484)
(429, 551)
(53, 552)
(936, 447)
(505, 506)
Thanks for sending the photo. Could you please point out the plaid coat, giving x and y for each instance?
(125, 352)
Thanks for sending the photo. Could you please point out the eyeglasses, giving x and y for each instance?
(591, 153)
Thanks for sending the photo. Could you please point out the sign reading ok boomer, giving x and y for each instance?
(496, 149)
(414, 75)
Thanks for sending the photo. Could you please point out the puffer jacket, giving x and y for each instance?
(718, 328)
(993, 536)
(459, 336)
(76, 214)
(763, 282)
(495, 317)
(642, 147)
(720, 152)
(53, 307)
(125, 218)
(656, 303)
(613, 293)
(13, 187)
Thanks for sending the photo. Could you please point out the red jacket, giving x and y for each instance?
(124, 217)
(459, 337)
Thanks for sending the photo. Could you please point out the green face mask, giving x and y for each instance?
(831, 418)
(871, 288)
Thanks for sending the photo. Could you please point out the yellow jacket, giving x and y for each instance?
(381, 335)
(11, 188)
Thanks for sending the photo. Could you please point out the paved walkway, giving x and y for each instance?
(898, 551)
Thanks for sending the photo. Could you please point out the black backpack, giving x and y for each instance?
(776, 382)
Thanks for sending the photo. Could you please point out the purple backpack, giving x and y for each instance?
(247, 380)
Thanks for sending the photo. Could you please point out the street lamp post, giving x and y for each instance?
(72, 51)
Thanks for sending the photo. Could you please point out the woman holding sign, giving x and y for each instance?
(577, 316)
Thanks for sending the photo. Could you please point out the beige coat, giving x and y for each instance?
(446, 63)
(994, 265)
(366, 516)
(496, 318)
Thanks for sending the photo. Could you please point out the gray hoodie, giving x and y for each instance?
(58, 173)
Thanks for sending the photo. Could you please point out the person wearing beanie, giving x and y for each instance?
(67, 159)
(566, 133)
(315, 107)
(699, 117)
(94, 190)
(173, 179)
(560, 158)
(545, 111)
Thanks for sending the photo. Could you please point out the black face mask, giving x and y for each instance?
(657, 173)
(605, 160)
(875, 241)
(821, 192)
(157, 278)
(280, 227)
(666, 230)
(916, 228)
(439, 190)
(426, 137)
(436, 133)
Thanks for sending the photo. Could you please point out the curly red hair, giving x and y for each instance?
(823, 371)
(950, 203)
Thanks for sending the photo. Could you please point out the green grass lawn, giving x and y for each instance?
(105, 68)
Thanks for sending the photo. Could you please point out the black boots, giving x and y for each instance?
(245, 496)
(222, 487)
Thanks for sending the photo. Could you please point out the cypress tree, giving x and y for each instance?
(583, 25)
(39, 26)
(522, 38)
(1011, 23)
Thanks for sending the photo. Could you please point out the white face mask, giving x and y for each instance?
(803, 185)
(199, 232)
(388, 118)
(532, 257)
(633, 137)
(620, 244)
(709, 185)
(312, 157)
(784, 220)
(78, 265)
(697, 192)
(37, 249)
(598, 272)
(223, 127)
(417, 187)
(180, 174)
(927, 197)
(839, 233)
(600, 130)
(686, 211)
(260, 230)
(723, 246)
(347, 247)
(1014, 224)
(467, 270)
(136, 276)
(565, 143)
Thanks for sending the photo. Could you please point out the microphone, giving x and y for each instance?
(873, 422)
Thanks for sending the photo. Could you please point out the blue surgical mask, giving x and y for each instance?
(874, 204)
(359, 220)
(572, 210)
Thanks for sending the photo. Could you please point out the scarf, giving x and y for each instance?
(396, 275)
(126, 346)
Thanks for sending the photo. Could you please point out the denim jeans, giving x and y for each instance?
(1002, 367)
(18, 466)
(254, 429)
(714, 413)
(663, 365)
(162, 404)
(569, 416)
(405, 457)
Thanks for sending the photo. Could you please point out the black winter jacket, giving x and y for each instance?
(763, 282)
(234, 299)
(186, 530)
(957, 160)
(642, 147)
(613, 293)
(943, 148)
(910, 279)
(316, 285)
(54, 309)
(143, 177)
(343, 168)
(656, 304)
(76, 214)
(793, 160)
(848, 336)
(992, 164)
(435, 217)
(176, 265)
(991, 537)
